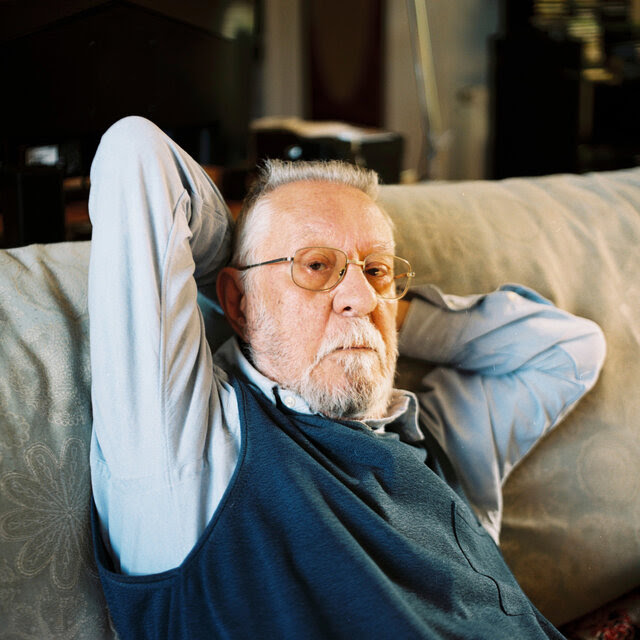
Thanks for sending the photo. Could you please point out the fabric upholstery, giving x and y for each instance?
(571, 531)
(49, 586)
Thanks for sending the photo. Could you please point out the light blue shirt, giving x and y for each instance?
(166, 434)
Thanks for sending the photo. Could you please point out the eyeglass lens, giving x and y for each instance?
(321, 268)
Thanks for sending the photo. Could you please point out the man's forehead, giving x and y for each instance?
(308, 201)
(367, 238)
(365, 229)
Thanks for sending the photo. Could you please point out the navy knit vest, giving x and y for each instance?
(328, 530)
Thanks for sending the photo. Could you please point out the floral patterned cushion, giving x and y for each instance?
(49, 585)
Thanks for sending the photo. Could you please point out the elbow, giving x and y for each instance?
(592, 354)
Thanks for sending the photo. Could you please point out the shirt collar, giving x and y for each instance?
(402, 417)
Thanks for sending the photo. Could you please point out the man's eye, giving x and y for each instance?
(317, 265)
(378, 271)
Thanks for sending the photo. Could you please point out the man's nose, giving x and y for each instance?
(354, 296)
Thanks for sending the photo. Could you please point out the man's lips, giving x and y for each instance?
(360, 348)
(355, 346)
(350, 350)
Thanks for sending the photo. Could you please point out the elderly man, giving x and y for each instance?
(282, 488)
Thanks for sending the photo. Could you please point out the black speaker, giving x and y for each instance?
(380, 150)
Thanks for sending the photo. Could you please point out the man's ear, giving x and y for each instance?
(230, 292)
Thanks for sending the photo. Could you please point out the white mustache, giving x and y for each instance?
(359, 334)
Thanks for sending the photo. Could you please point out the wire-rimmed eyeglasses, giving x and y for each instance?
(323, 268)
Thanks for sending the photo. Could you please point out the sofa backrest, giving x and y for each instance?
(571, 529)
(572, 520)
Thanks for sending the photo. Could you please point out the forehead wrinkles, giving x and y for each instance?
(349, 238)
(334, 220)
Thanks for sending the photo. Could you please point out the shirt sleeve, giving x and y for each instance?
(510, 366)
(160, 230)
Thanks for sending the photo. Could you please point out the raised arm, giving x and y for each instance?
(160, 229)
(515, 365)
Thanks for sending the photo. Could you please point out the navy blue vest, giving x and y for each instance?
(328, 530)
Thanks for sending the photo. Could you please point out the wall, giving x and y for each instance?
(282, 86)
(459, 31)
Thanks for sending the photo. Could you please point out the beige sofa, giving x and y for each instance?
(572, 523)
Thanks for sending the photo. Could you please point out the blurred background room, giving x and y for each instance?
(416, 89)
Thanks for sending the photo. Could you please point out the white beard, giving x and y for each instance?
(365, 386)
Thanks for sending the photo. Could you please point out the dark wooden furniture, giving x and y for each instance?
(565, 88)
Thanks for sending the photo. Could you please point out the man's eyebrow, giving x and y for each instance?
(379, 247)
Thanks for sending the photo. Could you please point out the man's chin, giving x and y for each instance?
(349, 385)
(348, 368)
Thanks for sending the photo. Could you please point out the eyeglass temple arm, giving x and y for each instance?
(260, 264)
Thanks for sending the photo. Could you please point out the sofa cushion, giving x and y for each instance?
(571, 531)
(48, 583)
